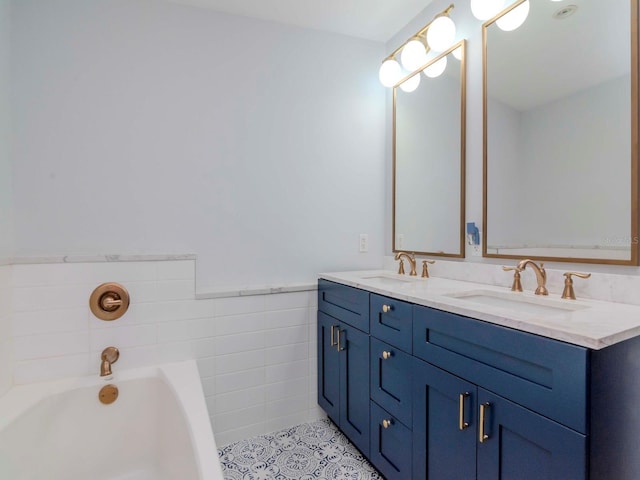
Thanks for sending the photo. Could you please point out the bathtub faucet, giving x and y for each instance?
(109, 356)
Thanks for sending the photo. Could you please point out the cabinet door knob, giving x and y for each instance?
(386, 355)
(387, 423)
(386, 308)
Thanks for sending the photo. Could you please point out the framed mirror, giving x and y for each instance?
(561, 132)
(429, 157)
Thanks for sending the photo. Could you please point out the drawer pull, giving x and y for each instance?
(386, 308)
(387, 423)
(333, 335)
(339, 343)
(387, 355)
(463, 425)
(482, 437)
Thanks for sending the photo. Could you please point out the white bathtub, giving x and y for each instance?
(157, 429)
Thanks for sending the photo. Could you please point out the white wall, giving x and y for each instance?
(6, 214)
(151, 127)
(6, 220)
(256, 355)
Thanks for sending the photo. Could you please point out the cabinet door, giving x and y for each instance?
(328, 367)
(522, 445)
(354, 386)
(443, 447)
(390, 445)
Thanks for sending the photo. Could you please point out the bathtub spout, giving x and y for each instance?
(109, 356)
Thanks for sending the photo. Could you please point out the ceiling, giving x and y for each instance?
(377, 20)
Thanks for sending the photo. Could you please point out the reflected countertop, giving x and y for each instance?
(589, 323)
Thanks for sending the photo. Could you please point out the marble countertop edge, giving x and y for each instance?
(28, 260)
(598, 325)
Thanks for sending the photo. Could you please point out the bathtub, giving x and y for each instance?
(157, 429)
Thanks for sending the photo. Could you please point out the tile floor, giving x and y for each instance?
(316, 450)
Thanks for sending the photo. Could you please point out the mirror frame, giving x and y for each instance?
(463, 122)
(635, 259)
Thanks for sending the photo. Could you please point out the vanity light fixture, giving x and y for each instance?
(516, 17)
(437, 35)
(436, 69)
(486, 9)
(411, 84)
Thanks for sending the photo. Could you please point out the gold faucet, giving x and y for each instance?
(516, 286)
(568, 291)
(425, 267)
(541, 275)
(412, 261)
(109, 356)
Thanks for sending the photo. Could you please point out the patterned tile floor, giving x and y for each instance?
(309, 451)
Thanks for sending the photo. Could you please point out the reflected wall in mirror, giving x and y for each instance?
(560, 133)
(429, 158)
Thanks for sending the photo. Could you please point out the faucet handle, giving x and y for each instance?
(425, 267)
(517, 284)
(568, 291)
(401, 268)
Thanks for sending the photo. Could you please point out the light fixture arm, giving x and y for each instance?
(420, 33)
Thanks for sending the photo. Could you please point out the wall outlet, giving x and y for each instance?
(400, 241)
(476, 250)
(364, 243)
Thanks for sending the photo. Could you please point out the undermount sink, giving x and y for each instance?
(387, 280)
(518, 302)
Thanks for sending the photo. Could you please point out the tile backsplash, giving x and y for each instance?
(256, 354)
(6, 343)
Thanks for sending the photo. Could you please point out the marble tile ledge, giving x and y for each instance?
(256, 290)
(96, 258)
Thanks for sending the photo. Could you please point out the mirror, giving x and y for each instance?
(560, 133)
(429, 158)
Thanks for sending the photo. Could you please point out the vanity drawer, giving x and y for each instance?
(348, 304)
(391, 450)
(391, 379)
(391, 321)
(547, 376)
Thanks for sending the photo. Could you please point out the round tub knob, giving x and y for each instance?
(109, 301)
(387, 423)
(386, 355)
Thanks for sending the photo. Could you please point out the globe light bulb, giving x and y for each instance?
(435, 69)
(457, 53)
(411, 84)
(441, 34)
(413, 55)
(514, 18)
(486, 9)
(390, 72)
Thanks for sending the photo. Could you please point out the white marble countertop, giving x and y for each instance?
(589, 323)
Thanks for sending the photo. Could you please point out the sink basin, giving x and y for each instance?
(387, 281)
(518, 302)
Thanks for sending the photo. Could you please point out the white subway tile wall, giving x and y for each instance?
(256, 354)
(6, 339)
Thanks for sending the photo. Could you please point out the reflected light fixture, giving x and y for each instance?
(437, 35)
(514, 18)
(486, 9)
(411, 84)
(436, 69)
(457, 53)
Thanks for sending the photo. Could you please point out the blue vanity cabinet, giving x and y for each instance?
(343, 361)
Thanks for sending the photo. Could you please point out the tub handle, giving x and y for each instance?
(109, 301)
